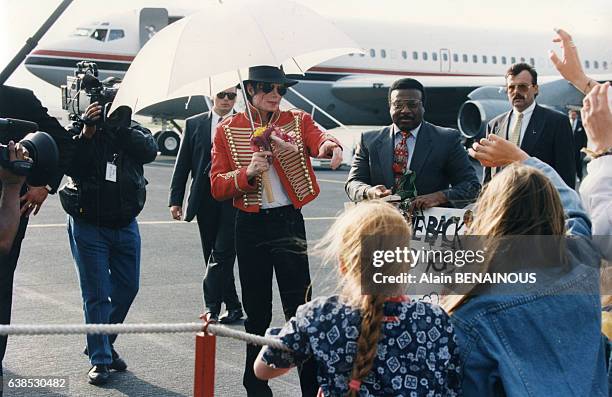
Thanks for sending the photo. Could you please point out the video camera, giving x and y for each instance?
(84, 88)
(43, 152)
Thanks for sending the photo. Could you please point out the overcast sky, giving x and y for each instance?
(19, 19)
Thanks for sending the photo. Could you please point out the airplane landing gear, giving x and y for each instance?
(168, 139)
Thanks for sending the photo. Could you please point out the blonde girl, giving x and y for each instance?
(381, 344)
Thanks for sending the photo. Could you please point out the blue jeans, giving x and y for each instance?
(108, 263)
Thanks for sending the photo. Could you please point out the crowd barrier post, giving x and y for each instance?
(205, 351)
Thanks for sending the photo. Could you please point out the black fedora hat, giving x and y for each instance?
(269, 74)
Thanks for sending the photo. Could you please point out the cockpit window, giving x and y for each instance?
(116, 34)
(99, 34)
(83, 32)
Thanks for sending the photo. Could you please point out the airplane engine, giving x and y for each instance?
(474, 115)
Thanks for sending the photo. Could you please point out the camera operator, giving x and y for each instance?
(19, 103)
(103, 196)
(9, 200)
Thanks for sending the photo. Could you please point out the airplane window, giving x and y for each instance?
(84, 32)
(383, 53)
(415, 55)
(513, 60)
(445, 56)
(372, 52)
(504, 60)
(404, 54)
(424, 56)
(465, 58)
(484, 59)
(352, 54)
(587, 64)
(99, 34)
(532, 61)
(494, 59)
(455, 58)
(522, 59)
(116, 34)
(605, 65)
(596, 64)
(475, 58)
(434, 56)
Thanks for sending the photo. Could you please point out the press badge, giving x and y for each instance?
(111, 172)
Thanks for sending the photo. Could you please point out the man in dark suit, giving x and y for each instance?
(444, 174)
(580, 141)
(215, 219)
(19, 103)
(540, 132)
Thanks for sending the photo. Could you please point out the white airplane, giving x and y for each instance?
(454, 64)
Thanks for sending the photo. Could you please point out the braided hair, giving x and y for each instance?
(385, 229)
(367, 345)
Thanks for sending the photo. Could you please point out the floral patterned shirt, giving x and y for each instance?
(417, 351)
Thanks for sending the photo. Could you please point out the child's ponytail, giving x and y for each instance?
(372, 313)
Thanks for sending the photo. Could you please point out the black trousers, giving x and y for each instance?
(272, 241)
(8, 264)
(216, 225)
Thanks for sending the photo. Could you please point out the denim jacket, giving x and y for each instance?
(541, 344)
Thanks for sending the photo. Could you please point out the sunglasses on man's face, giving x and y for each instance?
(268, 87)
(230, 95)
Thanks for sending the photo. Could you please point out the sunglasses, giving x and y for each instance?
(269, 87)
(519, 87)
(411, 104)
(230, 95)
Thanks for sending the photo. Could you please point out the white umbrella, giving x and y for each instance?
(212, 50)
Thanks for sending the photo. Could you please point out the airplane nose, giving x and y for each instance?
(49, 63)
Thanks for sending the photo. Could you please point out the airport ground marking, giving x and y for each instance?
(53, 225)
(331, 181)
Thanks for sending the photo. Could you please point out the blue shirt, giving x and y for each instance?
(416, 355)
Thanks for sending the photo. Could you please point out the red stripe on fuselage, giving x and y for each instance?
(326, 69)
(86, 55)
(323, 69)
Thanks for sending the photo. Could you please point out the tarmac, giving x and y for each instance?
(46, 291)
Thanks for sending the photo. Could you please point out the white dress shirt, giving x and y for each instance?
(280, 195)
(596, 192)
(526, 118)
(214, 121)
(410, 142)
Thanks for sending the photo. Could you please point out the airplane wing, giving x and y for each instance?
(444, 94)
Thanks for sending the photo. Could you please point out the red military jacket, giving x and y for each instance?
(232, 154)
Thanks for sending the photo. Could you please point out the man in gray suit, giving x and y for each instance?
(444, 175)
(215, 219)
